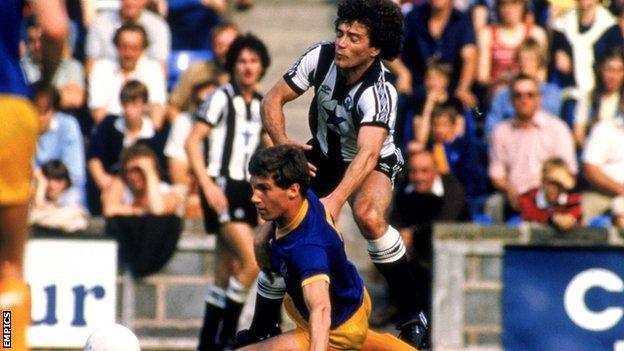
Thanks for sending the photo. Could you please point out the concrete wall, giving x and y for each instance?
(467, 296)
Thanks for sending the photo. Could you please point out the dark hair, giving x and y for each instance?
(286, 164)
(131, 27)
(134, 151)
(384, 21)
(56, 169)
(445, 110)
(133, 90)
(251, 42)
(39, 89)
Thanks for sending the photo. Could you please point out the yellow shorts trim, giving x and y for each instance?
(19, 126)
(315, 278)
(350, 335)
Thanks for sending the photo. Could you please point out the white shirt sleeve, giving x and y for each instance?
(300, 75)
(154, 78)
(213, 109)
(377, 105)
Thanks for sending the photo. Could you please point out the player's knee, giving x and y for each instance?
(370, 220)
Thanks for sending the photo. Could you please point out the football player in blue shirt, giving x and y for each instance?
(325, 297)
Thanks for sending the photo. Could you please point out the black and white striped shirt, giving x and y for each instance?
(236, 131)
(338, 111)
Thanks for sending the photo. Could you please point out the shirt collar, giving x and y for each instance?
(282, 232)
(147, 129)
(54, 123)
(537, 121)
(438, 188)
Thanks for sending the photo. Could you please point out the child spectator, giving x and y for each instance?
(437, 80)
(56, 204)
(552, 202)
(140, 210)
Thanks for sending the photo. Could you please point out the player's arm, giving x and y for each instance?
(369, 142)
(272, 112)
(52, 19)
(316, 296)
(193, 146)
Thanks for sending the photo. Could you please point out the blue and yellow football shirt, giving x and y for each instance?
(311, 248)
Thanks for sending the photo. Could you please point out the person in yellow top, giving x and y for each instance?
(18, 134)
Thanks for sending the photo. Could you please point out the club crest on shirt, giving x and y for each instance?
(348, 103)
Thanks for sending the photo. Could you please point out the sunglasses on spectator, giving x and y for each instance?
(520, 94)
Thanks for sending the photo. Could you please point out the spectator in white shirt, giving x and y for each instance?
(603, 162)
(99, 42)
(107, 76)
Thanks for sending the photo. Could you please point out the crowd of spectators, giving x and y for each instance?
(491, 92)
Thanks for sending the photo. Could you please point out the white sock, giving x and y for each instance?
(388, 248)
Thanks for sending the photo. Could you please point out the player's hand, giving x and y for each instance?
(215, 197)
(333, 206)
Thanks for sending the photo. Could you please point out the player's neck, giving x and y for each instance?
(246, 91)
(354, 74)
(291, 213)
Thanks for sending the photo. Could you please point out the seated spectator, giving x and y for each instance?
(436, 29)
(56, 204)
(181, 98)
(69, 77)
(101, 45)
(107, 76)
(437, 80)
(425, 198)
(116, 133)
(178, 165)
(140, 210)
(60, 138)
(581, 38)
(531, 57)
(520, 145)
(552, 202)
(498, 44)
(605, 99)
(603, 165)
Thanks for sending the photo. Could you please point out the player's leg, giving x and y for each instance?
(225, 265)
(385, 246)
(18, 132)
(239, 237)
(384, 342)
(283, 342)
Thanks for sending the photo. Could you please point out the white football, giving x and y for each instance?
(114, 337)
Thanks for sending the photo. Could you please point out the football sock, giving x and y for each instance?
(215, 305)
(388, 255)
(236, 294)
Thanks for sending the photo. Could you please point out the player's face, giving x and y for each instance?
(270, 200)
(248, 68)
(353, 45)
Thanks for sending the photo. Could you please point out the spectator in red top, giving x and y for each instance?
(552, 203)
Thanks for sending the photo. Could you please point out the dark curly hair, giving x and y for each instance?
(251, 42)
(286, 164)
(384, 20)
